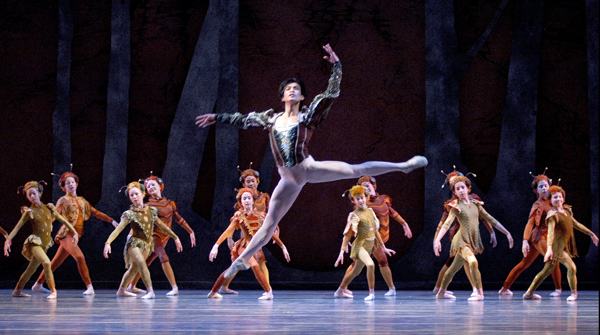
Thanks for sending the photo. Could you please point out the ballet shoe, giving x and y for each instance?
(347, 291)
(342, 294)
(89, 291)
(475, 297)
(238, 265)
(214, 295)
(174, 291)
(126, 294)
(19, 294)
(505, 291)
(227, 290)
(390, 293)
(370, 297)
(445, 295)
(267, 296)
(572, 297)
(133, 289)
(532, 296)
(52, 296)
(556, 293)
(149, 295)
(415, 163)
(37, 287)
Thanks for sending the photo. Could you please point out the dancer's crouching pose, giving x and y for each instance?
(290, 132)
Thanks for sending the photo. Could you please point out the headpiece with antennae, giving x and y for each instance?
(248, 172)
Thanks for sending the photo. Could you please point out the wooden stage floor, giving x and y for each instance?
(296, 312)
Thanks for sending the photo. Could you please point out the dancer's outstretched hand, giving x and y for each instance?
(332, 58)
(493, 240)
(388, 252)
(549, 255)
(178, 245)
(407, 231)
(340, 259)
(525, 248)
(511, 242)
(115, 223)
(213, 253)
(594, 239)
(7, 244)
(437, 247)
(286, 254)
(205, 120)
(106, 250)
(193, 239)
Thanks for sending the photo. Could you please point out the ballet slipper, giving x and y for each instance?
(52, 296)
(476, 297)
(149, 295)
(89, 291)
(556, 293)
(340, 293)
(531, 296)
(227, 290)
(347, 291)
(238, 265)
(436, 290)
(19, 294)
(214, 295)
(505, 291)
(370, 297)
(174, 291)
(133, 289)
(443, 294)
(415, 163)
(267, 296)
(122, 292)
(390, 293)
(572, 297)
(37, 287)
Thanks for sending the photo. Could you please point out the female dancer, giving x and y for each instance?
(561, 243)
(453, 230)
(364, 225)
(290, 132)
(536, 232)
(142, 219)
(381, 204)
(36, 245)
(467, 241)
(250, 179)
(248, 220)
(77, 210)
(167, 210)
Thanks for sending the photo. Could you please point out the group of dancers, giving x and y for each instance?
(549, 230)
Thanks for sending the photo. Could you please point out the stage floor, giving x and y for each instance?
(296, 312)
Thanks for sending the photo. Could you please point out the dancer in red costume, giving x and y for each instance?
(167, 211)
(536, 235)
(37, 244)
(249, 220)
(290, 132)
(77, 210)
(561, 243)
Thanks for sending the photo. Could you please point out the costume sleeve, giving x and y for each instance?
(60, 205)
(319, 107)
(352, 224)
(61, 218)
(24, 218)
(124, 222)
(485, 216)
(393, 212)
(3, 232)
(181, 221)
(233, 225)
(101, 215)
(449, 219)
(534, 219)
(551, 222)
(244, 121)
(162, 226)
(440, 224)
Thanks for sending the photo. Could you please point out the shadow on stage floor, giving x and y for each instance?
(296, 312)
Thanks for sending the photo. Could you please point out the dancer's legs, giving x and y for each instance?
(384, 267)
(59, 257)
(516, 271)
(39, 257)
(542, 246)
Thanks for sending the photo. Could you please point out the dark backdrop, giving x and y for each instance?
(405, 63)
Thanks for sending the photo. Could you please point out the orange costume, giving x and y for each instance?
(76, 210)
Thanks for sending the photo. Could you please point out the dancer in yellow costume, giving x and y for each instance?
(561, 243)
(466, 243)
(364, 225)
(142, 219)
(38, 243)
